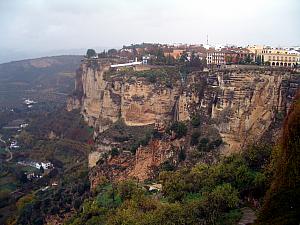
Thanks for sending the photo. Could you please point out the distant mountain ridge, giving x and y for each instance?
(40, 75)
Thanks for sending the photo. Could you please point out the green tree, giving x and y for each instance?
(196, 121)
(182, 154)
(91, 53)
(112, 52)
(179, 128)
(21, 176)
(160, 57)
(258, 60)
(127, 189)
(183, 58)
(248, 59)
(174, 187)
(194, 138)
(167, 166)
(26, 139)
(203, 144)
(170, 60)
(42, 169)
(221, 199)
(103, 54)
(195, 60)
(257, 156)
(114, 152)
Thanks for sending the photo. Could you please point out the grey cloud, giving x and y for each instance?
(28, 25)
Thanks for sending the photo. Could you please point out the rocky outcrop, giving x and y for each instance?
(241, 102)
(94, 158)
(142, 166)
(149, 158)
(248, 102)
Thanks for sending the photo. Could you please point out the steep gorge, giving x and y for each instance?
(242, 101)
(239, 103)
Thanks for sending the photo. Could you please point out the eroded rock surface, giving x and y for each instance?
(242, 102)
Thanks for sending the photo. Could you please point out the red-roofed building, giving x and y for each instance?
(236, 55)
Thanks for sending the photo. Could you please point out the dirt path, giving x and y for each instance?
(10, 155)
(248, 216)
(7, 149)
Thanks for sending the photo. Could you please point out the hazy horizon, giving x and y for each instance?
(32, 28)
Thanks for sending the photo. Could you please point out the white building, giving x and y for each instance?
(145, 59)
(215, 57)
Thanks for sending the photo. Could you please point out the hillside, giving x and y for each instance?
(149, 145)
(42, 79)
(282, 202)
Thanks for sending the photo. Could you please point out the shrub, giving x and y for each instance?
(127, 189)
(224, 197)
(203, 145)
(152, 78)
(167, 166)
(114, 152)
(257, 156)
(179, 128)
(181, 155)
(214, 144)
(156, 134)
(194, 138)
(196, 121)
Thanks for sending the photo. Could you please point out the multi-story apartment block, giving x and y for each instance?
(276, 56)
(215, 57)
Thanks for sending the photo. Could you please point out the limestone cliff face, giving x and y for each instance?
(247, 103)
(241, 102)
(135, 100)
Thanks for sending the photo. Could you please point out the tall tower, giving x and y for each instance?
(207, 39)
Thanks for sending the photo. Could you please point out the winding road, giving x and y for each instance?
(7, 149)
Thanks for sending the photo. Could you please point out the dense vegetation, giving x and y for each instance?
(61, 138)
(203, 194)
(282, 202)
(166, 76)
(35, 207)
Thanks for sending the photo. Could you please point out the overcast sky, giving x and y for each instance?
(50, 25)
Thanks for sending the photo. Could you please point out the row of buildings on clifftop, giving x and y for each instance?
(161, 54)
(285, 57)
(226, 55)
(259, 55)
